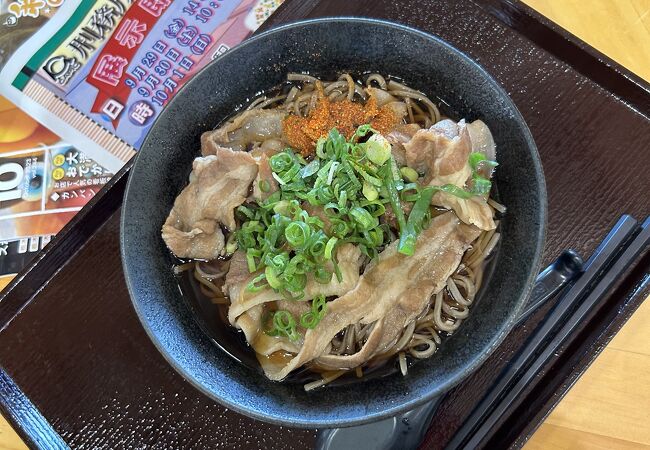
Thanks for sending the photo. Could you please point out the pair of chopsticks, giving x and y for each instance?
(622, 247)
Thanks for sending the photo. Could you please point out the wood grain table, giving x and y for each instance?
(618, 379)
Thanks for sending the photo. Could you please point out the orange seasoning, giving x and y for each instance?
(344, 115)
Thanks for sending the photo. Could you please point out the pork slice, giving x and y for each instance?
(264, 175)
(250, 322)
(400, 136)
(269, 148)
(202, 240)
(237, 273)
(219, 183)
(378, 297)
(255, 125)
(482, 140)
(441, 153)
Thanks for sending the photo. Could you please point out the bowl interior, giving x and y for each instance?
(164, 162)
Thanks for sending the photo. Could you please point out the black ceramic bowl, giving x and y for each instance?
(327, 47)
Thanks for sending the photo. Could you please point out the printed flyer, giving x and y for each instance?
(81, 83)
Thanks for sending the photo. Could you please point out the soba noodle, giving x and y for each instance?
(448, 308)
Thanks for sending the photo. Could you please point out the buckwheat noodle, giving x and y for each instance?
(446, 311)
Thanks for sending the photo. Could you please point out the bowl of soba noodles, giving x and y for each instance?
(333, 222)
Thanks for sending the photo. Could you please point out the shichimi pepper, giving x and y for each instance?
(345, 115)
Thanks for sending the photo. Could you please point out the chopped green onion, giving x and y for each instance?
(455, 190)
(319, 305)
(333, 209)
(272, 278)
(366, 176)
(330, 175)
(363, 218)
(280, 161)
(278, 178)
(476, 159)
(320, 148)
(317, 247)
(420, 208)
(310, 169)
(374, 207)
(294, 209)
(311, 318)
(405, 240)
(296, 283)
(343, 200)
(264, 185)
(250, 260)
(415, 221)
(231, 244)
(369, 191)
(247, 212)
(406, 244)
(257, 283)
(322, 275)
(480, 185)
(337, 270)
(378, 149)
(278, 262)
(281, 207)
(397, 176)
(283, 325)
(361, 132)
(410, 192)
(350, 173)
(299, 265)
(409, 174)
(329, 247)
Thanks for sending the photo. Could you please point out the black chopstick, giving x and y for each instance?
(603, 259)
(583, 314)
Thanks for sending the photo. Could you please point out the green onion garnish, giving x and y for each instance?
(318, 309)
(409, 174)
(283, 324)
(378, 149)
(350, 184)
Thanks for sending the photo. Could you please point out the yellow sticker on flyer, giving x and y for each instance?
(58, 173)
(58, 160)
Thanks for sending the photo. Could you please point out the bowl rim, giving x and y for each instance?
(465, 370)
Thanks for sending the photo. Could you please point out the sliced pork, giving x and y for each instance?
(400, 136)
(441, 153)
(264, 184)
(253, 126)
(219, 183)
(378, 298)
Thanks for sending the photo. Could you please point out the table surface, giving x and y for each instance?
(609, 407)
(619, 29)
